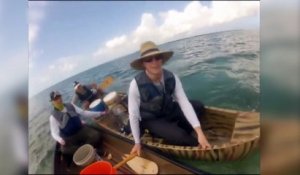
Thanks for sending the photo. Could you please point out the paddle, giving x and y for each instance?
(128, 158)
(142, 166)
(138, 164)
(106, 82)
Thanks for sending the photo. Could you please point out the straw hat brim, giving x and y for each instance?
(138, 63)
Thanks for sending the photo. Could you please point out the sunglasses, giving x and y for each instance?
(157, 58)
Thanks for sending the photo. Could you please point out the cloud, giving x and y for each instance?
(36, 15)
(147, 29)
(191, 18)
(116, 42)
(225, 11)
(160, 28)
(32, 33)
(59, 70)
(195, 18)
(51, 67)
(104, 54)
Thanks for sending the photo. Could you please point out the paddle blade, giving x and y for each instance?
(143, 166)
(106, 82)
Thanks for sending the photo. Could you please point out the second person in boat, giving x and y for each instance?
(157, 102)
(67, 128)
(85, 94)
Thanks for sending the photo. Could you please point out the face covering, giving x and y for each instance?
(58, 106)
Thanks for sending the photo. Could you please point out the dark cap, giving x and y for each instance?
(54, 94)
(75, 83)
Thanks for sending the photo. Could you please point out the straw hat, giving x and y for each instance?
(147, 50)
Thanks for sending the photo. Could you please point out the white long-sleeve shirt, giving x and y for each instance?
(54, 125)
(134, 106)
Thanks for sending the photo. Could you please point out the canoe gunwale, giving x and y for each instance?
(187, 148)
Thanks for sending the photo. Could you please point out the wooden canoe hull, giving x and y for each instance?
(232, 134)
(236, 144)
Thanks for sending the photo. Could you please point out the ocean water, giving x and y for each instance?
(220, 69)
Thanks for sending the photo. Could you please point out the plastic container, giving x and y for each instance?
(85, 155)
(99, 167)
(111, 98)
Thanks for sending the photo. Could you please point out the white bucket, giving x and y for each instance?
(111, 98)
(85, 155)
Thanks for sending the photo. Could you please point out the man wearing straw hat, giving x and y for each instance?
(157, 102)
(67, 128)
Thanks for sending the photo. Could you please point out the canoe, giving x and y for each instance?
(233, 134)
(118, 146)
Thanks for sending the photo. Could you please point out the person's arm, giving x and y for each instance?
(85, 105)
(75, 100)
(88, 114)
(134, 110)
(54, 128)
(189, 112)
(134, 115)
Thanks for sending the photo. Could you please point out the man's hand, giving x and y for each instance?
(203, 143)
(62, 142)
(136, 149)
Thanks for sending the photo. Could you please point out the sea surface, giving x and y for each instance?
(220, 69)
